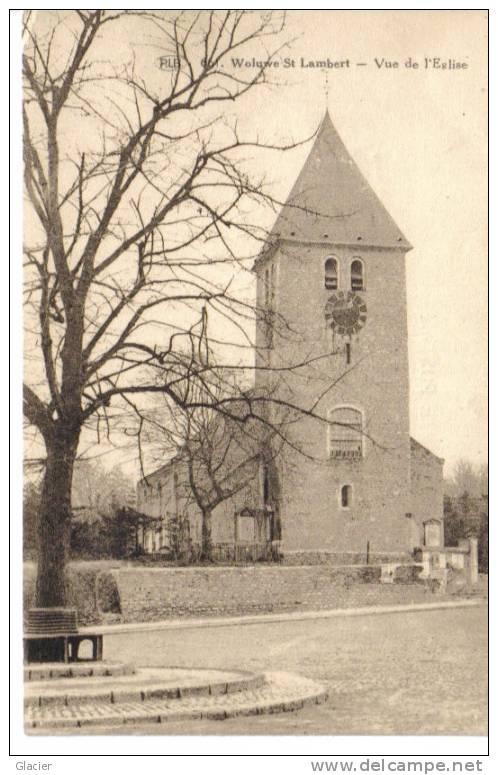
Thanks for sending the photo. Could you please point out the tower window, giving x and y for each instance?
(345, 433)
(266, 486)
(267, 314)
(270, 287)
(346, 496)
(357, 283)
(348, 353)
(331, 282)
(269, 336)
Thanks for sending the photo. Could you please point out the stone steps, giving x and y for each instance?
(245, 694)
(145, 684)
(48, 671)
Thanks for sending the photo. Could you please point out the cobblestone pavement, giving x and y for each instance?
(403, 673)
(281, 692)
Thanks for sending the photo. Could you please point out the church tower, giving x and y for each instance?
(331, 299)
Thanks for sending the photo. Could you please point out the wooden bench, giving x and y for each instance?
(52, 636)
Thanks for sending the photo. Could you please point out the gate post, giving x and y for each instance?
(473, 562)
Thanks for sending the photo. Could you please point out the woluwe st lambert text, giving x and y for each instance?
(380, 63)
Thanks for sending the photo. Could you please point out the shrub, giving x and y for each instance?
(407, 574)
(81, 590)
(107, 593)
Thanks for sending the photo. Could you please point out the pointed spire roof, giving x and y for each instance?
(332, 202)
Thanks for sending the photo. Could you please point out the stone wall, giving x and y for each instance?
(344, 558)
(160, 593)
(140, 594)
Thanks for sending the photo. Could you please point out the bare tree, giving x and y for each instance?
(469, 478)
(218, 455)
(135, 210)
(123, 182)
(98, 492)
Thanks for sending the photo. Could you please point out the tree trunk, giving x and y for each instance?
(207, 546)
(54, 520)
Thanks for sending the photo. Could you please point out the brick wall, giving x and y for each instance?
(161, 593)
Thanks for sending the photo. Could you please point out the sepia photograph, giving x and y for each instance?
(255, 450)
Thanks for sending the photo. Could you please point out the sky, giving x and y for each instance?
(419, 135)
(420, 138)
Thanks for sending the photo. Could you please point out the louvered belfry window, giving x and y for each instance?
(345, 433)
(331, 280)
(357, 275)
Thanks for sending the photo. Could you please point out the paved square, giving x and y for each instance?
(405, 673)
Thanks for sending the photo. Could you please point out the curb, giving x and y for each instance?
(49, 670)
(277, 695)
(193, 624)
(219, 714)
(149, 691)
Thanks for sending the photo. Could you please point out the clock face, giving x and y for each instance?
(345, 313)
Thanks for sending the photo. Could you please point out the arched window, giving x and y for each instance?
(357, 283)
(346, 496)
(331, 274)
(345, 433)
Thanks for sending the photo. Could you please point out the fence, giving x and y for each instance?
(246, 552)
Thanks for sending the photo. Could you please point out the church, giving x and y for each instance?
(331, 285)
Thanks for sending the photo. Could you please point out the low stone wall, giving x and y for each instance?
(130, 593)
(161, 593)
(343, 558)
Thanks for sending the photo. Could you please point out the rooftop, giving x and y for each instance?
(331, 201)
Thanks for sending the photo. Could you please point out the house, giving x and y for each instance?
(333, 274)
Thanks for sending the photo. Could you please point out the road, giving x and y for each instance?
(395, 674)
